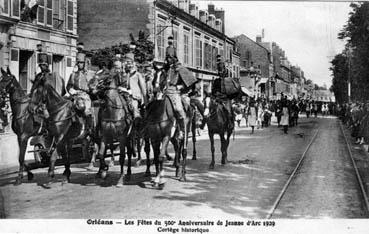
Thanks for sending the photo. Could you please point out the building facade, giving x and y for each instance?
(198, 34)
(25, 24)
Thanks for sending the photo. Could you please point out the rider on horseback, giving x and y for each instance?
(174, 85)
(78, 87)
(135, 84)
(219, 93)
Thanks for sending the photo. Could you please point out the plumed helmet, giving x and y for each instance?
(129, 57)
(81, 57)
(80, 46)
(117, 63)
(43, 58)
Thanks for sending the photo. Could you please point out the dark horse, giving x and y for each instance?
(218, 122)
(113, 125)
(62, 125)
(23, 123)
(160, 122)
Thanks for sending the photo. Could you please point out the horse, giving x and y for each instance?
(159, 123)
(218, 122)
(23, 122)
(113, 125)
(63, 125)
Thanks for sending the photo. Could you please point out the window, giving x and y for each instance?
(198, 52)
(214, 51)
(41, 12)
(186, 48)
(16, 8)
(70, 9)
(5, 10)
(57, 14)
(207, 56)
(160, 39)
(49, 13)
(175, 37)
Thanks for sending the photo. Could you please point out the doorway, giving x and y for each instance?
(25, 57)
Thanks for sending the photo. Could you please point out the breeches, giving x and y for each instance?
(135, 107)
(177, 105)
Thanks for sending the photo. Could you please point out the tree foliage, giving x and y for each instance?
(355, 62)
(144, 51)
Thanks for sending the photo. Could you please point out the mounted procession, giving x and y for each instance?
(129, 101)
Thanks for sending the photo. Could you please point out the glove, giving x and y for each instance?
(72, 91)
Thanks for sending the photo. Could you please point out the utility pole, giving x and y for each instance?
(349, 54)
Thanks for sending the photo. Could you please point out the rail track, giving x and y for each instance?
(291, 177)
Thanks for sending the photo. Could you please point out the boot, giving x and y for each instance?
(89, 123)
(181, 124)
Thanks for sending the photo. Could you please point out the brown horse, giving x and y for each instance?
(23, 123)
(160, 122)
(218, 122)
(113, 126)
(62, 125)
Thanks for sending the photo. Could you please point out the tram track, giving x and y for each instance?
(299, 164)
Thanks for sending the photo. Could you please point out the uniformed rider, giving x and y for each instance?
(135, 83)
(78, 88)
(218, 90)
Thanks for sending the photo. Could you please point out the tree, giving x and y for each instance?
(356, 32)
(339, 70)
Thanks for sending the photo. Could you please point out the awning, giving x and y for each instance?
(246, 91)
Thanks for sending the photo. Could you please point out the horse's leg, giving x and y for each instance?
(184, 157)
(159, 180)
(211, 137)
(147, 152)
(138, 147)
(176, 161)
(122, 156)
(130, 150)
(223, 147)
(64, 151)
(193, 128)
(22, 142)
(93, 156)
(101, 155)
(156, 148)
(111, 147)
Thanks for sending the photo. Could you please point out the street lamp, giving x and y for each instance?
(349, 54)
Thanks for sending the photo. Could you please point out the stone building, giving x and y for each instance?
(199, 35)
(24, 24)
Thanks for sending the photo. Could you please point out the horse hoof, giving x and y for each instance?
(211, 166)
(182, 179)
(103, 174)
(90, 166)
(18, 182)
(30, 176)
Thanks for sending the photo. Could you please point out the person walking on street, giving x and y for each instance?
(285, 115)
(252, 115)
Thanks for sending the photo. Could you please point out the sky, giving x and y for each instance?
(306, 31)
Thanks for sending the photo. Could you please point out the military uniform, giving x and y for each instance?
(136, 85)
(78, 86)
(52, 79)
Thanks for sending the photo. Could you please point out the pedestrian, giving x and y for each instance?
(285, 115)
(252, 115)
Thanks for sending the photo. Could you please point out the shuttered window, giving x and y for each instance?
(70, 15)
(6, 8)
(41, 12)
(49, 13)
(16, 8)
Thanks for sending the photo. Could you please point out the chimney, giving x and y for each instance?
(218, 25)
(203, 16)
(184, 5)
(211, 8)
(211, 20)
(194, 10)
(258, 39)
(219, 14)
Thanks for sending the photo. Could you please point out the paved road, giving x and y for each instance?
(326, 184)
(245, 188)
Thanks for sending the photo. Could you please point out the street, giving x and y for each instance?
(260, 164)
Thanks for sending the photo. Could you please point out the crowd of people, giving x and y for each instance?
(356, 117)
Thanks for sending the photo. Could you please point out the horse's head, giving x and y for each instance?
(6, 81)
